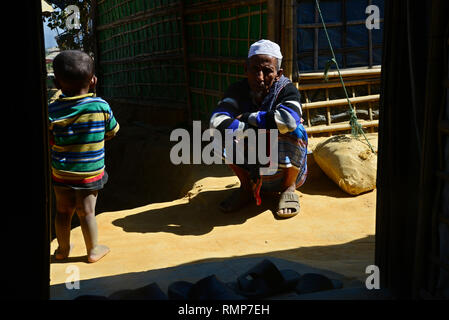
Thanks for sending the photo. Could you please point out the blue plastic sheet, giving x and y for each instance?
(356, 34)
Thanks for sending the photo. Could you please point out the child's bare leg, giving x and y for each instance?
(65, 208)
(86, 201)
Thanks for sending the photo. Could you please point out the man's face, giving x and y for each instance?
(261, 71)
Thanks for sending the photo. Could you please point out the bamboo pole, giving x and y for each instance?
(329, 85)
(96, 52)
(340, 127)
(287, 45)
(375, 71)
(340, 102)
(271, 20)
(334, 24)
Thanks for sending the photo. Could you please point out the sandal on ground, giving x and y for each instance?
(148, 292)
(265, 280)
(288, 200)
(208, 288)
(315, 282)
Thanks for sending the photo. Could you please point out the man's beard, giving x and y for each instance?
(258, 95)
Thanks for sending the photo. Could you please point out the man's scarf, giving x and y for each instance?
(270, 98)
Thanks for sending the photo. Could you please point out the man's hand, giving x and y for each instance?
(243, 117)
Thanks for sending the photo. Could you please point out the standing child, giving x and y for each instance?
(79, 125)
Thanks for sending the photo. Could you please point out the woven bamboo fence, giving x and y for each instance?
(182, 55)
(140, 52)
(218, 36)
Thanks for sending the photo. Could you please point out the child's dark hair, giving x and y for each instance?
(73, 67)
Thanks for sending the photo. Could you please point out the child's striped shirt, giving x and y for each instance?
(78, 128)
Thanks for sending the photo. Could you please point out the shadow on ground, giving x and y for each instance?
(228, 269)
(141, 171)
(195, 217)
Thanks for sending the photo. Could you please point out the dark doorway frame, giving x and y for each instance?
(405, 227)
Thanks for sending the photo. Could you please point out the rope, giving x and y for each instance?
(356, 128)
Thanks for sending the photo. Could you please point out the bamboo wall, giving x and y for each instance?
(182, 55)
(140, 52)
(174, 54)
(218, 35)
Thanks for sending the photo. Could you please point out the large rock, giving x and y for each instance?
(349, 162)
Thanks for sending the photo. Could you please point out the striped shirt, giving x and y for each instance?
(280, 110)
(78, 128)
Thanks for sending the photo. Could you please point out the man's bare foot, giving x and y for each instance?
(97, 253)
(61, 254)
(238, 199)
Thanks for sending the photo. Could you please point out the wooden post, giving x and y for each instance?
(271, 20)
(287, 45)
(94, 18)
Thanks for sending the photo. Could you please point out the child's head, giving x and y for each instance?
(74, 72)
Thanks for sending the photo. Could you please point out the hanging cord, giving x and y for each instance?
(356, 128)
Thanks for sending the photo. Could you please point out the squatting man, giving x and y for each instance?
(263, 101)
(259, 114)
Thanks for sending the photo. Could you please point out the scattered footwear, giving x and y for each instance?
(314, 282)
(91, 297)
(209, 288)
(149, 292)
(265, 280)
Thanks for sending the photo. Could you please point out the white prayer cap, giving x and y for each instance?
(265, 47)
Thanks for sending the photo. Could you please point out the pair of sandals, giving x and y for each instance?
(264, 280)
(287, 200)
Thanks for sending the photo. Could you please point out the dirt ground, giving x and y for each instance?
(154, 215)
